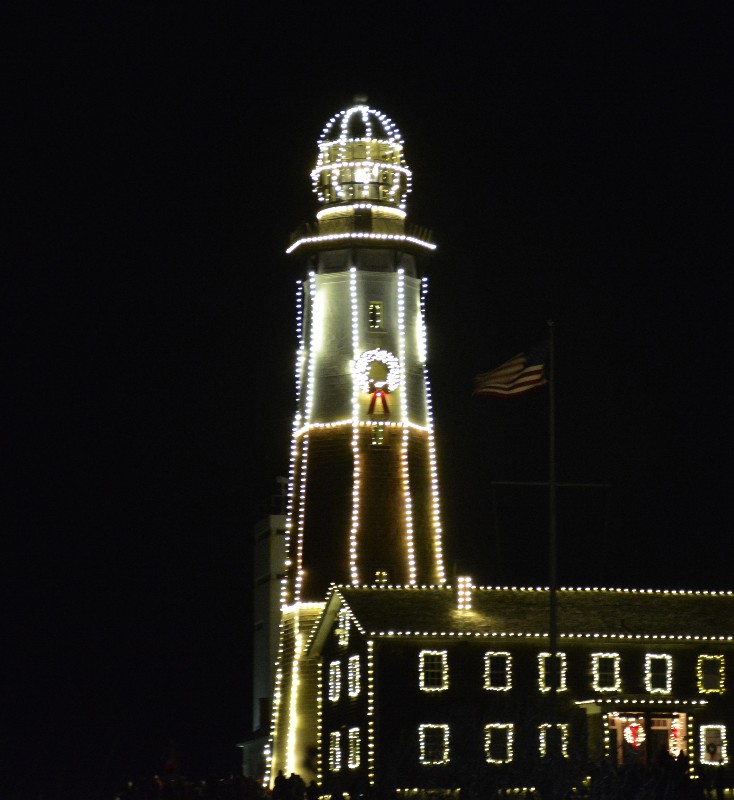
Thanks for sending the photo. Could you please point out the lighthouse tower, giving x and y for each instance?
(362, 495)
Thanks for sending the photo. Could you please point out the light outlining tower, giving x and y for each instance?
(362, 496)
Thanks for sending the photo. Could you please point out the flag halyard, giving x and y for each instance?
(521, 374)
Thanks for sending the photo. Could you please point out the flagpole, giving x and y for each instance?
(552, 535)
(552, 560)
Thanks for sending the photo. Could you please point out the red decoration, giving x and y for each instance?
(380, 394)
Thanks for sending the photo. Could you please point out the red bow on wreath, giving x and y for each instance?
(381, 393)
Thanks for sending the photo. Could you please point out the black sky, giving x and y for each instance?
(573, 165)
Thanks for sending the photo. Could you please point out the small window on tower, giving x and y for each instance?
(375, 316)
(378, 434)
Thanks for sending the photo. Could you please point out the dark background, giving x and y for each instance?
(573, 163)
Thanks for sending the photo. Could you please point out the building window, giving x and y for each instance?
(433, 670)
(545, 672)
(605, 672)
(375, 316)
(497, 671)
(433, 741)
(342, 628)
(353, 676)
(714, 750)
(710, 674)
(561, 737)
(355, 744)
(498, 741)
(658, 673)
(335, 751)
(335, 681)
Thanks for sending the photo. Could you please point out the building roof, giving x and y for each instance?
(624, 614)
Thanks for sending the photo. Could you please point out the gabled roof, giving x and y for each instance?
(624, 614)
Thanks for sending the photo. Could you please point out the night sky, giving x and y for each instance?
(573, 165)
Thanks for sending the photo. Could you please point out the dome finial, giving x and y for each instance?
(360, 99)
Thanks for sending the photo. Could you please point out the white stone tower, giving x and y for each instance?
(362, 496)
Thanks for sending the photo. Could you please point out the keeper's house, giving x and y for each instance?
(441, 687)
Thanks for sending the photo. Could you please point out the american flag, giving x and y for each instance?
(521, 374)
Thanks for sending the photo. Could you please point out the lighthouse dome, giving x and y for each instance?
(361, 160)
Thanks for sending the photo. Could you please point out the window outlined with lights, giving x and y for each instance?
(561, 730)
(335, 681)
(605, 671)
(342, 628)
(497, 671)
(498, 742)
(714, 749)
(659, 673)
(376, 315)
(354, 676)
(433, 670)
(710, 674)
(544, 672)
(354, 750)
(335, 751)
(433, 744)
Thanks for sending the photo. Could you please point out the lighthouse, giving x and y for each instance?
(362, 496)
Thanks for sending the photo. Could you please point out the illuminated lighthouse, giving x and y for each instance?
(362, 495)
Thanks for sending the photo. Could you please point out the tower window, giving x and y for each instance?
(433, 742)
(375, 316)
(498, 738)
(497, 672)
(434, 670)
(378, 434)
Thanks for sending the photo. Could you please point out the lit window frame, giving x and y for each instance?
(423, 755)
(335, 681)
(704, 755)
(354, 676)
(596, 672)
(335, 751)
(342, 629)
(660, 657)
(488, 656)
(543, 729)
(510, 730)
(379, 307)
(542, 682)
(423, 673)
(354, 740)
(699, 673)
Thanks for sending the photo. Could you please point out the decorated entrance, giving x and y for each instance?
(644, 738)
